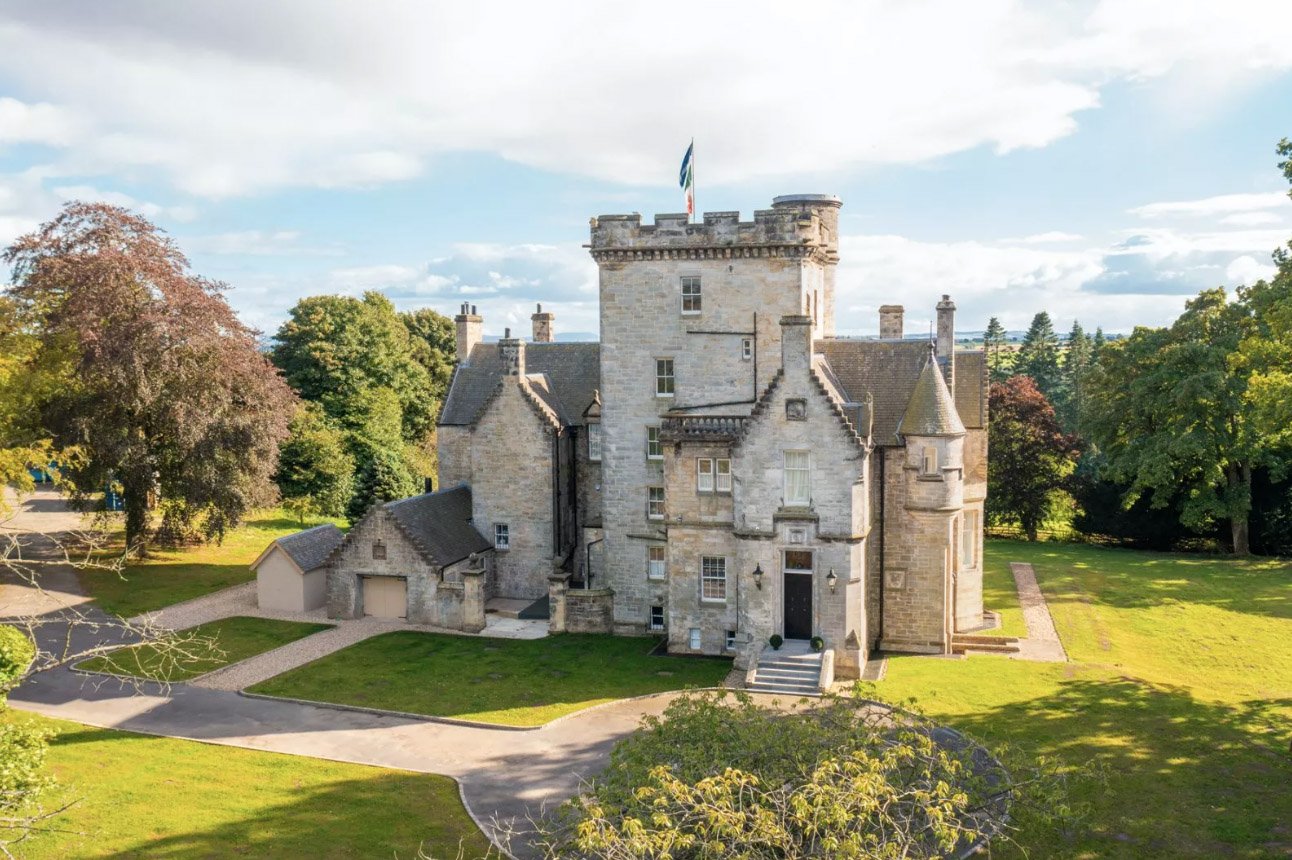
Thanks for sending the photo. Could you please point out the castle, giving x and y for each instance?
(719, 468)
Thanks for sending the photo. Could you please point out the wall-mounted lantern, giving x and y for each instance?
(758, 577)
(831, 580)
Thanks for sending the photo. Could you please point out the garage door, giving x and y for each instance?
(385, 597)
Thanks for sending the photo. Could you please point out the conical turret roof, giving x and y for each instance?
(931, 410)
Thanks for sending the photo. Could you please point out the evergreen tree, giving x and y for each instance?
(1097, 345)
(383, 478)
(1076, 365)
(993, 341)
(315, 471)
(1038, 357)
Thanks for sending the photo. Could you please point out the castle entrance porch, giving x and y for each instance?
(797, 591)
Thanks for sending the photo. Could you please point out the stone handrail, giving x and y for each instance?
(678, 427)
(826, 679)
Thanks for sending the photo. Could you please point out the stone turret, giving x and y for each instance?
(543, 329)
(470, 331)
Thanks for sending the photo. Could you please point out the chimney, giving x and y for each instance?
(470, 331)
(512, 351)
(947, 340)
(796, 343)
(543, 332)
(890, 322)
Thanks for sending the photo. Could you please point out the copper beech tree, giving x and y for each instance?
(163, 391)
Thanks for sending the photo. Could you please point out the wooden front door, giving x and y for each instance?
(798, 605)
(385, 597)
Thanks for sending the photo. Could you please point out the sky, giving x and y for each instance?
(1102, 161)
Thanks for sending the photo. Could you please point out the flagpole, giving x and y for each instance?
(695, 207)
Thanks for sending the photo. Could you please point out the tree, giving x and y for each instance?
(315, 471)
(993, 341)
(1031, 456)
(1076, 365)
(382, 478)
(334, 349)
(1170, 410)
(1038, 356)
(162, 388)
(1097, 344)
(435, 346)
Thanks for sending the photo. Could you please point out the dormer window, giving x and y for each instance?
(929, 461)
(691, 294)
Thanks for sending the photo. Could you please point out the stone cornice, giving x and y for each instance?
(809, 253)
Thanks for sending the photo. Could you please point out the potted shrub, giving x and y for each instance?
(817, 643)
(776, 641)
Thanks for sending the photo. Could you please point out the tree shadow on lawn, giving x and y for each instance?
(389, 814)
(1184, 777)
(1125, 578)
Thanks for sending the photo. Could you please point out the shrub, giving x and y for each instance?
(817, 643)
(16, 654)
(776, 641)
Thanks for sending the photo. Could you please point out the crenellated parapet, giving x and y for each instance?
(797, 226)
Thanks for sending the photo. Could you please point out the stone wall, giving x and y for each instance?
(511, 483)
(453, 451)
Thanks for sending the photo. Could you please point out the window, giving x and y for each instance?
(501, 536)
(657, 618)
(799, 560)
(929, 465)
(664, 380)
(379, 551)
(655, 562)
(594, 442)
(798, 478)
(694, 639)
(655, 503)
(730, 642)
(969, 540)
(747, 348)
(654, 450)
(691, 294)
(713, 578)
(724, 476)
(704, 475)
(712, 475)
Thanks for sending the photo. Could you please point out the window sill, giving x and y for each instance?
(691, 313)
(659, 459)
(502, 549)
(716, 601)
(663, 396)
(655, 519)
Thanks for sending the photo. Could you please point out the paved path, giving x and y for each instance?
(1042, 642)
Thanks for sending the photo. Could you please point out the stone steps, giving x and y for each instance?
(793, 671)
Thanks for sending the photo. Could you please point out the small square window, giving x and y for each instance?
(713, 578)
(730, 643)
(654, 450)
(664, 379)
(379, 551)
(594, 442)
(694, 639)
(690, 294)
(655, 562)
(501, 536)
(657, 618)
(655, 503)
(747, 348)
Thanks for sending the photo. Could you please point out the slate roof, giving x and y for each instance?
(573, 372)
(888, 371)
(310, 548)
(439, 524)
(931, 411)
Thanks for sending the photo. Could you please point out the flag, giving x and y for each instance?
(686, 178)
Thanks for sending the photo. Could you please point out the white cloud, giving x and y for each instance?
(262, 96)
(1246, 270)
(90, 194)
(35, 123)
(1052, 237)
(1252, 219)
(1210, 206)
(254, 243)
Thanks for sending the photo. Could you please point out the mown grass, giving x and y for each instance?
(141, 796)
(506, 681)
(218, 644)
(167, 577)
(1179, 685)
(1001, 594)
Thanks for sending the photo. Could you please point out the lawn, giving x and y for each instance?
(1180, 685)
(141, 796)
(1001, 594)
(172, 576)
(507, 681)
(232, 640)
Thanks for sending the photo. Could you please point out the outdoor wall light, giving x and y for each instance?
(758, 577)
(831, 580)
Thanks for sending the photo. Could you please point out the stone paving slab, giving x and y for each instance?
(1042, 642)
